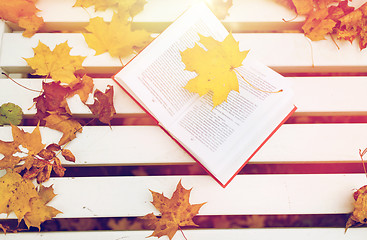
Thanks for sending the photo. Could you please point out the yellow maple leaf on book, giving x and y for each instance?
(215, 65)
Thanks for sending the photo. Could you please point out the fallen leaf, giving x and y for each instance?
(58, 63)
(16, 193)
(83, 87)
(214, 66)
(10, 113)
(23, 13)
(103, 105)
(317, 25)
(359, 214)
(40, 212)
(220, 8)
(69, 127)
(99, 5)
(115, 37)
(175, 212)
(354, 25)
(68, 155)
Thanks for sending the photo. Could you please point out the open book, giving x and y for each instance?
(222, 139)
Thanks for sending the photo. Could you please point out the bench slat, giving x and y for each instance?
(330, 96)
(284, 52)
(214, 234)
(132, 145)
(247, 194)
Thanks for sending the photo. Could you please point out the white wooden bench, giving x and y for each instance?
(328, 83)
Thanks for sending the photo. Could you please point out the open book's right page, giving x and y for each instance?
(225, 137)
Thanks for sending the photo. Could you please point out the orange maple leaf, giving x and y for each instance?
(23, 13)
(176, 212)
(215, 67)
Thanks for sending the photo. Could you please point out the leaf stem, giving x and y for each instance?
(261, 90)
(182, 232)
(20, 84)
(361, 154)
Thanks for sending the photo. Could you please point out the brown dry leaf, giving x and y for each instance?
(53, 99)
(23, 13)
(176, 212)
(103, 105)
(58, 63)
(68, 155)
(69, 127)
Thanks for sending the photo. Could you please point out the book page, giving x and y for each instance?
(157, 75)
(218, 135)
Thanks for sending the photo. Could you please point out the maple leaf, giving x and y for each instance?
(52, 99)
(31, 141)
(115, 37)
(353, 25)
(19, 195)
(103, 105)
(69, 127)
(23, 13)
(10, 113)
(214, 66)
(54, 95)
(58, 63)
(40, 212)
(176, 212)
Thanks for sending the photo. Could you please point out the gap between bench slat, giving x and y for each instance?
(199, 234)
(284, 52)
(245, 195)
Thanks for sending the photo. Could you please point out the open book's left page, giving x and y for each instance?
(156, 76)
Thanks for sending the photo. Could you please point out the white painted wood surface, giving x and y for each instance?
(213, 234)
(147, 145)
(245, 195)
